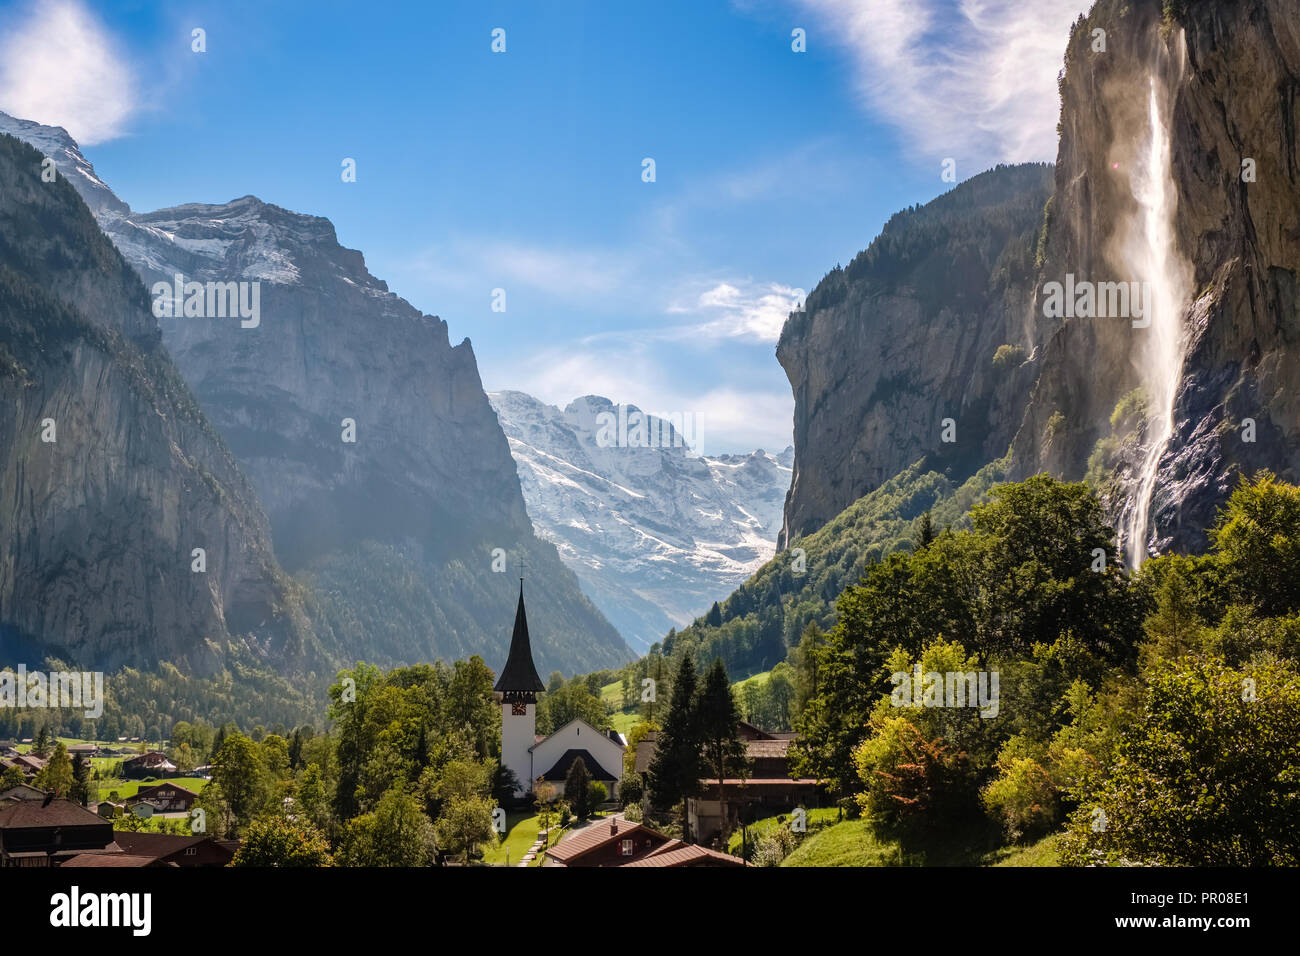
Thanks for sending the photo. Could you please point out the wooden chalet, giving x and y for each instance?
(619, 842)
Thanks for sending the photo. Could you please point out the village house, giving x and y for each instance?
(22, 792)
(165, 798)
(152, 764)
(161, 849)
(29, 764)
(624, 843)
(43, 833)
(768, 789)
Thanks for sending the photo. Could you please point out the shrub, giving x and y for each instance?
(774, 847)
(1023, 798)
(1207, 775)
(630, 789)
(1008, 356)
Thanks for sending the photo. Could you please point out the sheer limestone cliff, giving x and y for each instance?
(929, 323)
(1229, 75)
(98, 526)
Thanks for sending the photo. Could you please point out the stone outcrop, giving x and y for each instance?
(909, 335)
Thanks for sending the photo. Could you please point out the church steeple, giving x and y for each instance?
(519, 680)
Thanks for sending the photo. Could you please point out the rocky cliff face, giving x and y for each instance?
(99, 524)
(909, 335)
(655, 534)
(1228, 77)
(395, 531)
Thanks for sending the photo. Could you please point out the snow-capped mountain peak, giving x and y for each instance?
(654, 532)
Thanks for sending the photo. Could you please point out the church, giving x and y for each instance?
(532, 757)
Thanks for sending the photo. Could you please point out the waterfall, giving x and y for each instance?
(1154, 255)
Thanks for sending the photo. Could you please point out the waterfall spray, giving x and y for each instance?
(1154, 254)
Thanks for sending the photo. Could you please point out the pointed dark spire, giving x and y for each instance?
(519, 676)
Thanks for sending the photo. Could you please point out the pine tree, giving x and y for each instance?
(723, 748)
(41, 746)
(577, 788)
(295, 748)
(217, 742)
(80, 792)
(678, 764)
(714, 617)
(924, 532)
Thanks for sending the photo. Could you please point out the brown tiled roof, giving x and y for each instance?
(154, 758)
(767, 748)
(672, 844)
(748, 731)
(685, 856)
(144, 791)
(23, 792)
(23, 814)
(108, 859)
(154, 845)
(597, 834)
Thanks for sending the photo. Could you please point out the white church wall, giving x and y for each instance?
(517, 736)
(579, 735)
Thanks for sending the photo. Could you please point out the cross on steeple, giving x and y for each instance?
(521, 569)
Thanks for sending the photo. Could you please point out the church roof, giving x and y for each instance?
(561, 768)
(519, 674)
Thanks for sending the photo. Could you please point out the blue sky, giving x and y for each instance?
(522, 170)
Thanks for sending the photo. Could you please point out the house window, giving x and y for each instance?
(191, 851)
(627, 847)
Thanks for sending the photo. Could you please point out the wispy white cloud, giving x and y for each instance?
(61, 67)
(737, 310)
(477, 264)
(974, 80)
(615, 282)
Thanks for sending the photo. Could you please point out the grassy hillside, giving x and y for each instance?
(855, 843)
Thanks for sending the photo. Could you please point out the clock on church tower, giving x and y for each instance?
(517, 689)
